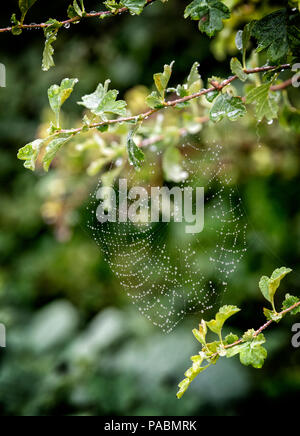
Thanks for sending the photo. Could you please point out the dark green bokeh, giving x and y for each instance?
(75, 343)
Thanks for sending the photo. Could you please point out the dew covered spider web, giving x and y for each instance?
(166, 272)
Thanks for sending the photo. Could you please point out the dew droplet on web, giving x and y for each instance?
(168, 277)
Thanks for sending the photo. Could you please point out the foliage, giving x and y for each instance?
(271, 167)
(275, 35)
(250, 348)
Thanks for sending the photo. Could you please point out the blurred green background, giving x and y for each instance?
(75, 344)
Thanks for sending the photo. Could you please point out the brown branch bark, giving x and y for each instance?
(71, 20)
(174, 103)
(261, 329)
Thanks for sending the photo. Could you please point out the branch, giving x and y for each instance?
(73, 20)
(176, 102)
(261, 329)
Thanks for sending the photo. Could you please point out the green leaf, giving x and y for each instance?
(183, 387)
(212, 95)
(24, 6)
(231, 339)
(272, 315)
(135, 6)
(253, 355)
(266, 102)
(51, 36)
(264, 287)
(192, 86)
(75, 10)
(227, 106)
(57, 95)
(161, 80)
(156, 99)
(272, 35)
(172, 167)
(103, 103)
(237, 69)
(53, 147)
(269, 286)
(16, 25)
(30, 153)
(290, 301)
(135, 153)
(210, 14)
(276, 278)
(200, 334)
(191, 374)
(194, 82)
(231, 352)
(251, 352)
(224, 313)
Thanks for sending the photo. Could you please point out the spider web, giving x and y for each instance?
(167, 273)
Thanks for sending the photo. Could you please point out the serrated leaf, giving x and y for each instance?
(194, 82)
(231, 339)
(277, 276)
(290, 301)
(157, 98)
(251, 351)
(272, 35)
(161, 80)
(30, 153)
(103, 103)
(253, 354)
(226, 106)
(135, 6)
(210, 14)
(155, 101)
(222, 316)
(200, 334)
(51, 36)
(269, 286)
(24, 6)
(53, 147)
(266, 103)
(183, 386)
(57, 95)
(272, 315)
(237, 69)
(135, 154)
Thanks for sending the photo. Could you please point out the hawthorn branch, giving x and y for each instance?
(173, 103)
(261, 329)
(101, 14)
